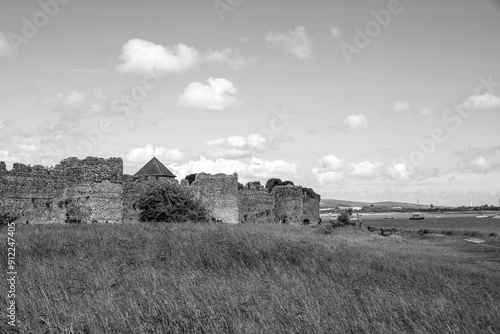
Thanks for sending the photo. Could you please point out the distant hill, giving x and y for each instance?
(329, 203)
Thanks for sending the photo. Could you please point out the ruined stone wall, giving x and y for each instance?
(256, 206)
(311, 205)
(88, 190)
(288, 204)
(219, 193)
(32, 193)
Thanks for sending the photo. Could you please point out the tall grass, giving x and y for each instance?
(211, 278)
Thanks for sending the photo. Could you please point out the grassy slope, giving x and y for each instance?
(245, 279)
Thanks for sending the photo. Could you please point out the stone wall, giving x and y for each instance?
(288, 204)
(94, 190)
(219, 193)
(311, 205)
(256, 206)
(87, 190)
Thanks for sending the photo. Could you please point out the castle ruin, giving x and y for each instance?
(95, 190)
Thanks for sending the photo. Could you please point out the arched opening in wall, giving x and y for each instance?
(245, 217)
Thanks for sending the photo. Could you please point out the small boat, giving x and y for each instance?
(496, 217)
(417, 215)
(482, 215)
(388, 211)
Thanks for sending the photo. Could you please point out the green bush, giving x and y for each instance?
(167, 202)
(344, 217)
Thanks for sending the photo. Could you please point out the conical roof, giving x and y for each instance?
(155, 168)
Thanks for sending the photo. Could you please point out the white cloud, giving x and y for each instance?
(79, 70)
(235, 147)
(70, 100)
(399, 171)
(296, 41)
(5, 48)
(233, 59)
(426, 110)
(334, 169)
(485, 101)
(335, 32)
(331, 163)
(366, 169)
(255, 169)
(478, 160)
(354, 122)
(400, 106)
(217, 95)
(142, 57)
(145, 153)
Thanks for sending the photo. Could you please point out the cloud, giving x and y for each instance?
(333, 169)
(482, 102)
(335, 32)
(69, 100)
(426, 110)
(233, 59)
(296, 41)
(478, 160)
(255, 169)
(145, 153)
(141, 57)
(77, 104)
(400, 106)
(79, 70)
(5, 48)
(235, 147)
(217, 95)
(354, 122)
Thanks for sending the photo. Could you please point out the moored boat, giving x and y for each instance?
(417, 215)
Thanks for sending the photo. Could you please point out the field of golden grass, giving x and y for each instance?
(213, 278)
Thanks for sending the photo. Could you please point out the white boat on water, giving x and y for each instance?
(496, 217)
(482, 215)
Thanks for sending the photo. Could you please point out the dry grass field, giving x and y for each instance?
(211, 278)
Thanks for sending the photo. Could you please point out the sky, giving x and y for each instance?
(360, 100)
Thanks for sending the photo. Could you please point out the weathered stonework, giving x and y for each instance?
(256, 206)
(311, 205)
(219, 193)
(94, 190)
(87, 190)
(288, 204)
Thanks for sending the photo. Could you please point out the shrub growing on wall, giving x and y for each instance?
(167, 202)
